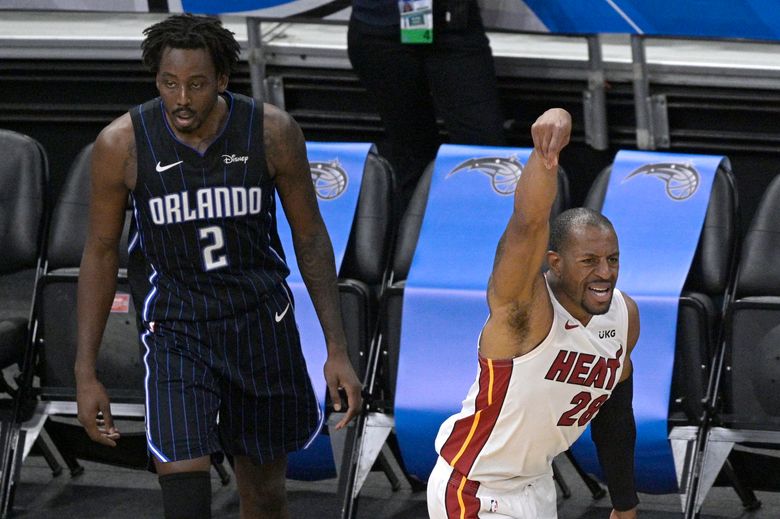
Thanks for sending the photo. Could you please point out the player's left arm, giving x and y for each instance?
(614, 431)
(285, 150)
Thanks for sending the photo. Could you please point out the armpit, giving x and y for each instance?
(518, 319)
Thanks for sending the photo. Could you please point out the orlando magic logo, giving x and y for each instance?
(504, 172)
(682, 180)
(329, 179)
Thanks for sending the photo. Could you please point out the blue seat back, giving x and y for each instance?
(337, 174)
(470, 200)
(657, 203)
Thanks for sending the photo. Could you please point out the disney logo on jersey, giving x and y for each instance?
(230, 159)
(329, 179)
(682, 180)
(504, 172)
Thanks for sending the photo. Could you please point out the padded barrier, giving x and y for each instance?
(337, 170)
(657, 203)
(444, 302)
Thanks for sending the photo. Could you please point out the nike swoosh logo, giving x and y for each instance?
(278, 317)
(570, 326)
(160, 168)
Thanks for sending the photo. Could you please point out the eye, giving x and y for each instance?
(170, 84)
(613, 260)
(196, 85)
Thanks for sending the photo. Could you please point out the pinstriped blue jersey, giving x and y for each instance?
(206, 222)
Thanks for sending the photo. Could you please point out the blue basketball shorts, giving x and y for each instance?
(237, 385)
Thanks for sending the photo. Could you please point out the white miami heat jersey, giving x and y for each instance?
(520, 413)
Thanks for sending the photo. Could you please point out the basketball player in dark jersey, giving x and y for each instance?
(224, 369)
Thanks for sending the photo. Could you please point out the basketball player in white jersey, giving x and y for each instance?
(553, 355)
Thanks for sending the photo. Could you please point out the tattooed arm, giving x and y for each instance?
(520, 309)
(286, 154)
(112, 172)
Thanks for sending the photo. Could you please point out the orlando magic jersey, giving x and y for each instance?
(206, 222)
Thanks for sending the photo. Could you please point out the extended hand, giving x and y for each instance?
(628, 514)
(94, 412)
(339, 374)
(550, 134)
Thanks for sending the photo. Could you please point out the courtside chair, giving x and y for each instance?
(749, 382)
(23, 192)
(120, 365)
(702, 304)
(393, 349)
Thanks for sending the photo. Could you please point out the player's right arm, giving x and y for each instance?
(113, 163)
(516, 282)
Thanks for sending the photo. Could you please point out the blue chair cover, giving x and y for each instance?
(657, 203)
(337, 171)
(444, 304)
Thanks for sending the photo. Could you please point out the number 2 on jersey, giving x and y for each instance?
(581, 401)
(212, 259)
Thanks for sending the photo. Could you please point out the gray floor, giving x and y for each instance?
(105, 491)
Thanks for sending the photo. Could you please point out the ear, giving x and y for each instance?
(222, 83)
(554, 262)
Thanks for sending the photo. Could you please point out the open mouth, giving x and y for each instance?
(183, 118)
(600, 292)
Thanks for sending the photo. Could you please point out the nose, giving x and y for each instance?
(183, 96)
(603, 269)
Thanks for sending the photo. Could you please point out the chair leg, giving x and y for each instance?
(565, 490)
(595, 489)
(224, 477)
(48, 455)
(387, 468)
(749, 499)
(70, 460)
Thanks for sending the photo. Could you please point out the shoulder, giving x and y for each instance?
(282, 139)
(633, 321)
(114, 152)
(117, 135)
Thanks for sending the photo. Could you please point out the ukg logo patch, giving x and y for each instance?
(329, 179)
(681, 180)
(504, 172)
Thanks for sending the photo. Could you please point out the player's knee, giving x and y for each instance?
(269, 495)
(186, 495)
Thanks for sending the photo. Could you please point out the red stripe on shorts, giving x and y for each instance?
(460, 497)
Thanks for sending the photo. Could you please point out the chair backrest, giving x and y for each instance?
(367, 253)
(411, 221)
(119, 364)
(23, 180)
(70, 217)
(712, 271)
(446, 245)
(354, 187)
(752, 377)
(714, 260)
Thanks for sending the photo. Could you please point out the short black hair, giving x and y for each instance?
(578, 217)
(187, 31)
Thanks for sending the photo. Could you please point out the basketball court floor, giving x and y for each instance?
(106, 491)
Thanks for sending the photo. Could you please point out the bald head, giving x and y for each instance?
(571, 220)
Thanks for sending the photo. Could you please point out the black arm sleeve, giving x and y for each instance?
(614, 433)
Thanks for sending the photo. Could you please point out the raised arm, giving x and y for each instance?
(523, 245)
(112, 155)
(286, 152)
(516, 278)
